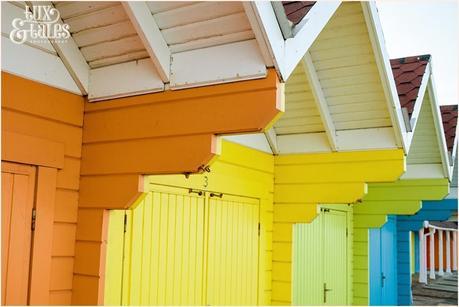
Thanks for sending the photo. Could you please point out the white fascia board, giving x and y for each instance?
(269, 36)
(423, 171)
(271, 138)
(47, 68)
(303, 143)
(312, 24)
(418, 105)
(72, 57)
(320, 100)
(217, 64)
(439, 128)
(385, 71)
(286, 54)
(252, 140)
(148, 31)
(124, 79)
(347, 140)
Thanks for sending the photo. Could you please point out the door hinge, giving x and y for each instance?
(125, 222)
(259, 229)
(347, 232)
(34, 218)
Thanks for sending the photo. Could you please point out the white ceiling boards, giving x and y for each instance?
(189, 43)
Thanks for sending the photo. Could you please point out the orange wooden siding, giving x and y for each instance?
(160, 133)
(42, 126)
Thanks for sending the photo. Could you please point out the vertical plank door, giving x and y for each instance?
(18, 186)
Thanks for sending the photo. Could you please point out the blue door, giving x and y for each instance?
(383, 264)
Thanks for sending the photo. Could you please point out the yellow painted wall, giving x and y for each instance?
(303, 181)
(238, 171)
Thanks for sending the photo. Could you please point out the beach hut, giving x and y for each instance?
(411, 228)
(343, 128)
(429, 169)
(136, 88)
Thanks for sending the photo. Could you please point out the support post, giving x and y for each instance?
(422, 255)
(448, 252)
(440, 253)
(454, 250)
(432, 254)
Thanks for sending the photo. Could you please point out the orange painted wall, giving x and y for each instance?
(160, 133)
(42, 126)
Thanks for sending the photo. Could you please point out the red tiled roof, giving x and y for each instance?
(296, 10)
(449, 117)
(408, 73)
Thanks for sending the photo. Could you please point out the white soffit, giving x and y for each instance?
(254, 140)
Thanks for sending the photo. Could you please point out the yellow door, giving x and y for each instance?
(232, 271)
(179, 247)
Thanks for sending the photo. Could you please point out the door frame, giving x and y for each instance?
(42, 236)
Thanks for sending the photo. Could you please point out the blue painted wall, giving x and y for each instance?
(383, 264)
(431, 211)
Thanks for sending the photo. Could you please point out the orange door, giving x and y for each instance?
(18, 184)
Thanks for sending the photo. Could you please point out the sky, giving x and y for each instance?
(416, 27)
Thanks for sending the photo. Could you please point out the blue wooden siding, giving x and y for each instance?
(431, 211)
(383, 264)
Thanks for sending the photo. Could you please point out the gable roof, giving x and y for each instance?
(408, 73)
(449, 118)
(296, 10)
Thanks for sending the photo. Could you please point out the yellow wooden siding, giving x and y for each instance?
(301, 114)
(424, 147)
(238, 171)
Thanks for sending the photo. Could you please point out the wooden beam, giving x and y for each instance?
(148, 31)
(271, 137)
(71, 56)
(320, 100)
(312, 25)
(286, 54)
(375, 32)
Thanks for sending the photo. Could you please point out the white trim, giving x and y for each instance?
(269, 36)
(124, 79)
(455, 251)
(259, 35)
(439, 128)
(423, 171)
(217, 64)
(148, 31)
(422, 256)
(314, 22)
(346, 140)
(448, 252)
(366, 139)
(271, 138)
(441, 272)
(382, 60)
(287, 54)
(47, 68)
(432, 256)
(418, 105)
(72, 58)
(255, 141)
(320, 100)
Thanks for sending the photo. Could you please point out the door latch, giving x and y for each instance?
(325, 292)
(383, 277)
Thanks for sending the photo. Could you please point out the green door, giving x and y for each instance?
(320, 260)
